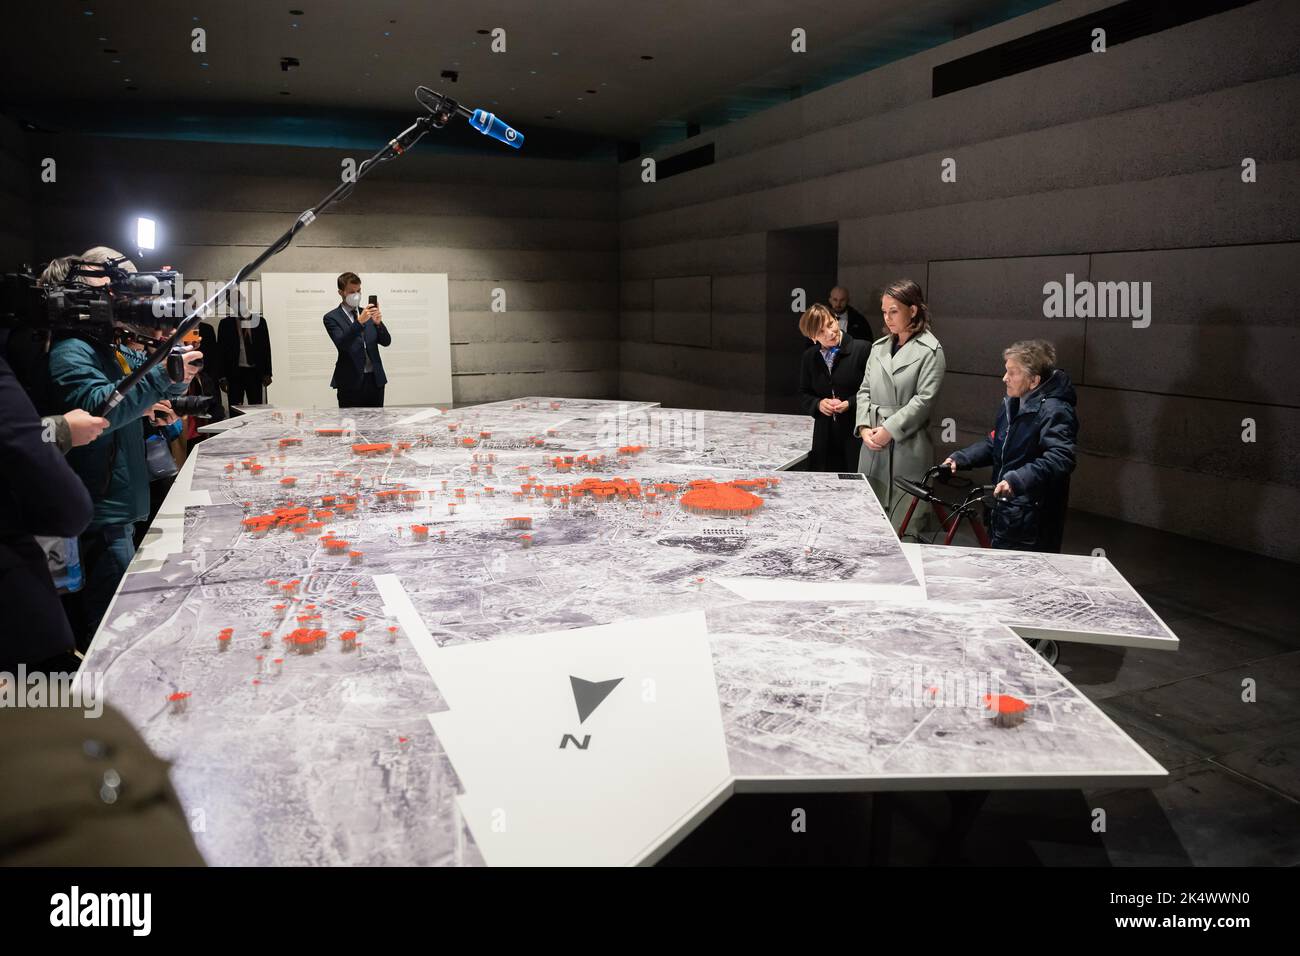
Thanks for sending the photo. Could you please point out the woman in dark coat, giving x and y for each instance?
(1031, 449)
(830, 373)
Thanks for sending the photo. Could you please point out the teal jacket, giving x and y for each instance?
(83, 375)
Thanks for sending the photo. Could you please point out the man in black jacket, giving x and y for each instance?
(850, 319)
(39, 495)
(357, 333)
(245, 347)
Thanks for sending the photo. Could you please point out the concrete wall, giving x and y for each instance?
(796, 259)
(1121, 165)
(545, 231)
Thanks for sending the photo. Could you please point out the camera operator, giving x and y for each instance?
(83, 373)
(202, 403)
(165, 451)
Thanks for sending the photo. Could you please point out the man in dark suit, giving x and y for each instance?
(850, 319)
(245, 355)
(357, 334)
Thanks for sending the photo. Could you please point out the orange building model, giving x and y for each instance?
(720, 500)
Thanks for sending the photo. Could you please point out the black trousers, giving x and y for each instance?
(244, 387)
(367, 395)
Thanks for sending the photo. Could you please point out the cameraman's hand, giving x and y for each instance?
(377, 317)
(266, 381)
(161, 413)
(84, 426)
(367, 314)
(193, 365)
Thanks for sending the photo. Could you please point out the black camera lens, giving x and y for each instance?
(200, 406)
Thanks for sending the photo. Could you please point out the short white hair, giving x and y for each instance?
(1037, 356)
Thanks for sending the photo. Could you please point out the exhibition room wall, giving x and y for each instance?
(543, 230)
(1123, 165)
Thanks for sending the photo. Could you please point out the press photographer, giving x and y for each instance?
(124, 319)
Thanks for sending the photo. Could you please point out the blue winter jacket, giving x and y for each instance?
(112, 467)
(1032, 448)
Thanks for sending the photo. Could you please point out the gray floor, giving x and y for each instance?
(1233, 794)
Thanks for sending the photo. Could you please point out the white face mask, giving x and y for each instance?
(353, 300)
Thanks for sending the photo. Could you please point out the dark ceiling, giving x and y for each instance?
(603, 68)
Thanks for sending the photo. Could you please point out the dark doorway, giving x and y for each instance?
(806, 258)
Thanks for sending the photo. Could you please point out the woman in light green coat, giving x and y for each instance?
(904, 374)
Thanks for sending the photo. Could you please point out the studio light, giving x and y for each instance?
(145, 234)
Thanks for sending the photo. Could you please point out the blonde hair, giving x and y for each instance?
(55, 272)
(814, 320)
(101, 254)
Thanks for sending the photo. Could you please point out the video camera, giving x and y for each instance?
(132, 308)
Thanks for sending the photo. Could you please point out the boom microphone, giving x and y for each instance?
(489, 124)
